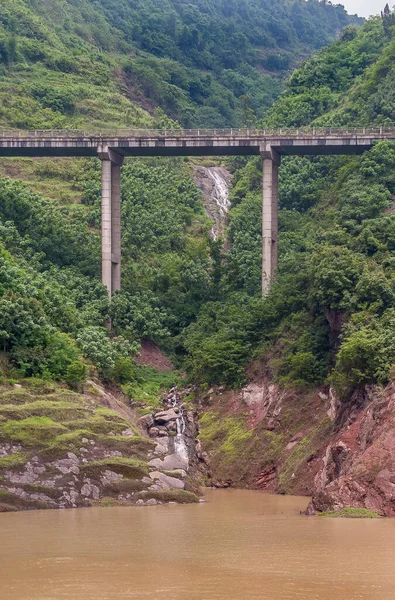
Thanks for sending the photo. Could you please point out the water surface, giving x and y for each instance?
(240, 545)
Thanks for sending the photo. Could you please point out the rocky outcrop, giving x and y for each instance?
(174, 431)
(264, 436)
(80, 454)
(357, 466)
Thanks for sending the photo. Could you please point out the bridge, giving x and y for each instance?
(112, 147)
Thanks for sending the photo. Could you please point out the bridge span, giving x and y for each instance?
(112, 147)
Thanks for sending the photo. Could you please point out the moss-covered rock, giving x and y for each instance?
(62, 449)
(128, 467)
(180, 496)
(351, 513)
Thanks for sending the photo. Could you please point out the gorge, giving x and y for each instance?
(207, 440)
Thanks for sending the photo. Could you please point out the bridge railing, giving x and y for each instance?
(196, 133)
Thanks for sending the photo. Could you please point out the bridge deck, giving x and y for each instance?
(204, 142)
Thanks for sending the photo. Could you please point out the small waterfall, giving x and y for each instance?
(214, 183)
(180, 446)
(220, 190)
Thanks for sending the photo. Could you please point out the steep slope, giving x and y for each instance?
(78, 64)
(69, 64)
(328, 321)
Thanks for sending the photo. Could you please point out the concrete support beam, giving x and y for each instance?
(271, 162)
(111, 219)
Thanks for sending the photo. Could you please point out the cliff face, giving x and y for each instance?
(265, 437)
(357, 466)
(286, 441)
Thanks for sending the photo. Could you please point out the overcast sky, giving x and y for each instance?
(364, 8)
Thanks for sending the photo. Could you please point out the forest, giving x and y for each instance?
(329, 317)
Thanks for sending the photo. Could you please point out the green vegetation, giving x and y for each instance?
(329, 317)
(351, 513)
(305, 448)
(150, 385)
(50, 423)
(208, 63)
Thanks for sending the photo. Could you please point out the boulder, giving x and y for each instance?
(147, 421)
(154, 432)
(163, 417)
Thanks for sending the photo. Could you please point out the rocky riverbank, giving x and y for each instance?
(285, 440)
(60, 449)
(357, 465)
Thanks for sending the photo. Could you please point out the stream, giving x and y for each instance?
(239, 545)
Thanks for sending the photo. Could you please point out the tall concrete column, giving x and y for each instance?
(116, 227)
(271, 162)
(106, 228)
(111, 218)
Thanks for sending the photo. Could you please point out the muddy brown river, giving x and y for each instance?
(240, 545)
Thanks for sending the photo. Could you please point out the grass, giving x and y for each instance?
(136, 445)
(56, 410)
(150, 385)
(12, 461)
(31, 432)
(351, 513)
(305, 448)
(131, 468)
(234, 449)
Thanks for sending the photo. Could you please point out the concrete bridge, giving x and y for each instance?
(112, 147)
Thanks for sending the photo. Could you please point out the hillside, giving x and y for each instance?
(74, 64)
(326, 330)
(66, 65)
(320, 348)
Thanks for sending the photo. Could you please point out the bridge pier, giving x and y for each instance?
(111, 218)
(271, 163)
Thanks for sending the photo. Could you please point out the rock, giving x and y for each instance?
(170, 463)
(140, 502)
(109, 477)
(153, 432)
(151, 502)
(85, 440)
(168, 482)
(172, 426)
(67, 465)
(147, 421)
(165, 416)
(90, 491)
